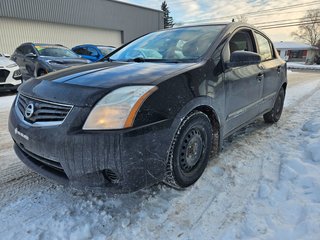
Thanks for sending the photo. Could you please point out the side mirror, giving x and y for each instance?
(7, 55)
(31, 55)
(243, 58)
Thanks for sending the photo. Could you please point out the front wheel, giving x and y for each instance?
(189, 151)
(41, 72)
(274, 115)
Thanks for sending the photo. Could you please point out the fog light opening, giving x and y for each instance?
(110, 175)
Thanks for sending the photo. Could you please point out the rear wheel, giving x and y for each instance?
(275, 113)
(189, 151)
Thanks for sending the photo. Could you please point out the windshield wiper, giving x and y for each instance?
(137, 59)
(106, 58)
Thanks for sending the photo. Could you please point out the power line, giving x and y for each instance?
(298, 20)
(282, 24)
(281, 13)
(289, 25)
(258, 13)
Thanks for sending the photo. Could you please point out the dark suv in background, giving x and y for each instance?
(39, 59)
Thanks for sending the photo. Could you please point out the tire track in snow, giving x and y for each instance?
(249, 187)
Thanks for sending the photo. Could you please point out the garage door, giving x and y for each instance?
(16, 31)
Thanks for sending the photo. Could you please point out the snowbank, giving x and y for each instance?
(302, 66)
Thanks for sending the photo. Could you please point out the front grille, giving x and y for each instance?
(3, 75)
(43, 111)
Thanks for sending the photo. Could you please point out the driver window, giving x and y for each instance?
(242, 41)
(92, 52)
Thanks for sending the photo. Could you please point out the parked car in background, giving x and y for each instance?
(35, 59)
(93, 52)
(10, 75)
(154, 112)
(4, 55)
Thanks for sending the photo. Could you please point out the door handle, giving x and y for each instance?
(260, 77)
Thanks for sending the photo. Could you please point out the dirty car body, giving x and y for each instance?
(127, 123)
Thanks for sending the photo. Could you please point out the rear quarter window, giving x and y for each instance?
(265, 49)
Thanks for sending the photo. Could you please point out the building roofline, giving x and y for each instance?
(136, 5)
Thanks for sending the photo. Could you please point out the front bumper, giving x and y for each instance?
(115, 161)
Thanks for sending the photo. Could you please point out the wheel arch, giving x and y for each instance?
(284, 86)
(203, 104)
(212, 115)
(40, 69)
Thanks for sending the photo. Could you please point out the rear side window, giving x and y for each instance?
(242, 41)
(86, 51)
(93, 52)
(81, 51)
(25, 49)
(18, 50)
(264, 47)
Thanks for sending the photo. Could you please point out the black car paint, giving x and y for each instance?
(138, 155)
(32, 65)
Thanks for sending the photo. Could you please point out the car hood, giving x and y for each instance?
(85, 85)
(5, 62)
(66, 61)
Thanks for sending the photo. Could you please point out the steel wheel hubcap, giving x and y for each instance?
(191, 150)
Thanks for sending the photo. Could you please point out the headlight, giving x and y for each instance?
(119, 108)
(12, 65)
(17, 75)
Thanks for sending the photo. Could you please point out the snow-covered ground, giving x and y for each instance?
(264, 185)
(302, 66)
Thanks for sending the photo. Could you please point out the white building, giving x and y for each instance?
(296, 52)
(74, 22)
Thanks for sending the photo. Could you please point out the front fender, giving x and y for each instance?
(198, 103)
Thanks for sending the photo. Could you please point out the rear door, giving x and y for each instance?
(243, 84)
(273, 67)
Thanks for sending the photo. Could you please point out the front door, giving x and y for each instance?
(243, 84)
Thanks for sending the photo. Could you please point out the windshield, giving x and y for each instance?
(180, 44)
(55, 51)
(106, 50)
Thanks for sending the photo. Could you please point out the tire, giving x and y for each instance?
(189, 151)
(274, 115)
(41, 73)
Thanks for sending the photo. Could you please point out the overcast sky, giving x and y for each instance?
(192, 11)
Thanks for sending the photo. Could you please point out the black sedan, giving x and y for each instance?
(154, 111)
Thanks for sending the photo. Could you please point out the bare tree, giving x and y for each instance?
(309, 30)
(242, 18)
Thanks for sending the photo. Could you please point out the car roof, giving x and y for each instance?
(48, 44)
(93, 45)
(228, 25)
